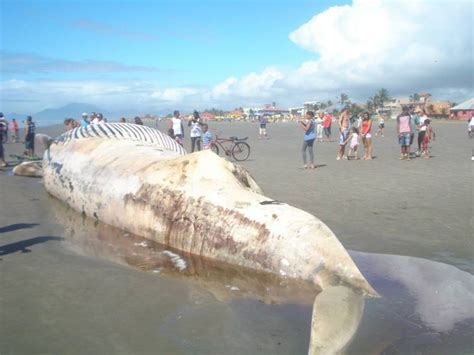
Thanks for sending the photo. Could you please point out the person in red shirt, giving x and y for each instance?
(15, 131)
(327, 126)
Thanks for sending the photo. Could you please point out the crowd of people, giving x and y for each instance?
(411, 124)
(201, 137)
(29, 136)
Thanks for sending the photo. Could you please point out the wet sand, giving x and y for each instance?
(58, 299)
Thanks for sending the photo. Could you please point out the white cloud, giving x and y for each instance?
(405, 46)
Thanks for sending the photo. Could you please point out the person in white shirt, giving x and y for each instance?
(177, 126)
(195, 132)
(421, 130)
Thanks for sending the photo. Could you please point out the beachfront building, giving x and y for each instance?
(464, 111)
(438, 109)
(207, 116)
(234, 115)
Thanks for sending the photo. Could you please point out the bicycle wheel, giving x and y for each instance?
(241, 151)
(215, 148)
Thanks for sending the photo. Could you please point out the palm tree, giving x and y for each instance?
(383, 96)
(344, 98)
(414, 98)
(370, 104)
(430, 108)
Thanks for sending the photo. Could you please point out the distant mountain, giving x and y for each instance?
(73, 110)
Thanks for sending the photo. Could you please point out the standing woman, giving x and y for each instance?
(308, 126)
(366, 133)
(196, 131)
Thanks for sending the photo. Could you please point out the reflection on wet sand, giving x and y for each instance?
(336, 311)
(425, 307)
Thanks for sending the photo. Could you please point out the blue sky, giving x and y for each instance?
(183, 42)
(159, 54)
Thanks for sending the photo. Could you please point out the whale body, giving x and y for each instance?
(140, 180)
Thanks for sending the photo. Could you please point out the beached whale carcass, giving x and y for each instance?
(135, 178)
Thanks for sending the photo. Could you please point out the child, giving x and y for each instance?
(206, 137)
(354, 139)
(381, 125)
(425, 152)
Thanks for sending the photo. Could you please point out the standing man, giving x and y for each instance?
(3, 127)
(414, 123)
(177, 126)
(343, 132)
(5, 133)
(195, 132)
(263, 120)
(403, 132)
(30, 129)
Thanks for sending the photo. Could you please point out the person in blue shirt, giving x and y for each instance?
(308, 126)
(84, 121)
(206, 137)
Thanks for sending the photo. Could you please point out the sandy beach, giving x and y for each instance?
(61, 299)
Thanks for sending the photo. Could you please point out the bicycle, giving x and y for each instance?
(234, 147)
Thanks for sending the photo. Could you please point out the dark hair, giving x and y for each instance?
(310, 113)
(171, 132)
(196, 114)
(138, 120)
(355, 130)
(29, 118)
(404, 108)
(427, 121)
(366, 113)
(175, 112)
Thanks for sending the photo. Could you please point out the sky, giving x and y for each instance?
(151, 56)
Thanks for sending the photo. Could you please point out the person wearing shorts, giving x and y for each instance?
(263, 120)
(366, 133)
(327, 126)
(343, 132)
(30, 136)
(403, 132)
